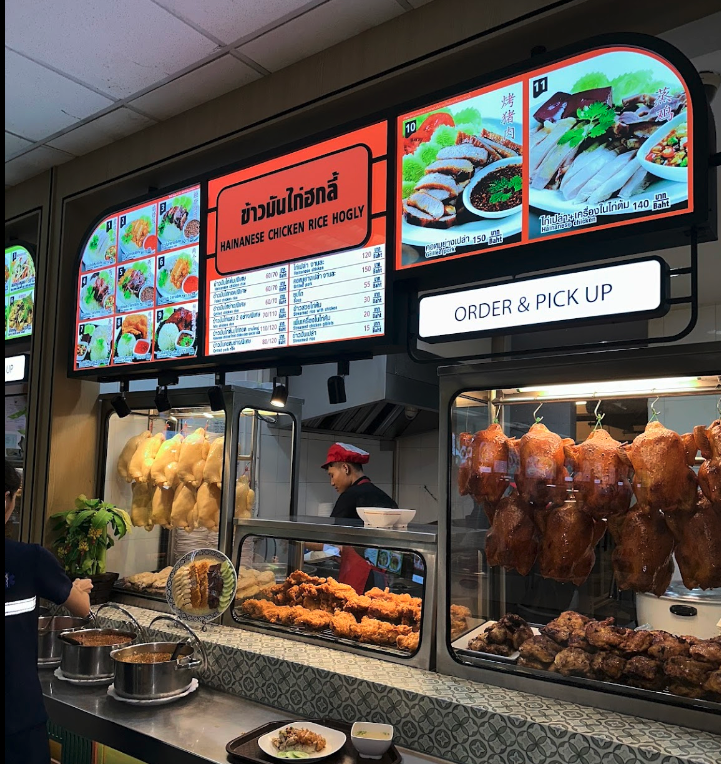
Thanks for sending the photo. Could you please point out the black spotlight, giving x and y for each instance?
(119, 403)
(215, 394)
(279, 397)
(162, 399)
(336, 385)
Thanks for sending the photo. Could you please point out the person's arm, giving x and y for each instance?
(78, 603)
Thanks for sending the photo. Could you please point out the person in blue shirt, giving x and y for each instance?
(31, 572)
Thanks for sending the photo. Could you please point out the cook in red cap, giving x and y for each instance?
(344, 464)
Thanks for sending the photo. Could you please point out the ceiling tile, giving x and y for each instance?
(317, 30)
(231, 20)
(32, 163)
(39, 102)
(118, 48)
(101, 131)
(418, 3)
(196, 87)
(698, 37)
(14, 145)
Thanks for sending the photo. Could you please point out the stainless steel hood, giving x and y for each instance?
(387, 397)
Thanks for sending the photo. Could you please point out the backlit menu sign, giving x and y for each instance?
(19, 292)
(297, 248)
(138, 283)
(599, 140)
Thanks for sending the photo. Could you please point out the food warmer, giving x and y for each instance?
(552, 542)
(368, 591)
(171, 471)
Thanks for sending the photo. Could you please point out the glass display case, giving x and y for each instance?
(171, 471)
(582, 540)
(368, 591)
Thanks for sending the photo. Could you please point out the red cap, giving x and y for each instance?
(342, 452)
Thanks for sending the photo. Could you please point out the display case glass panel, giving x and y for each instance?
(584, 540)
(166, 470)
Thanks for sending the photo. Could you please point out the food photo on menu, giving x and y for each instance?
(94, 343)
(101, 249)
(608, 141)
(461, 175)
(97, 293)
(179, 220)
(19, 309)
(137, 231)
(136, 286)
(176, 331)
(133, 338)
(19, 269)
(178, 276)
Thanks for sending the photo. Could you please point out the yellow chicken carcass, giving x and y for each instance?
(208, 508)
(162, 506)
(144, 456)
(141, 509)
(183, 510)
(213, 471)
(191, 463)
(127, 454)
(164, 471)
(244, 497)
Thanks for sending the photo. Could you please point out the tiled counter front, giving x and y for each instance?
(450, 718)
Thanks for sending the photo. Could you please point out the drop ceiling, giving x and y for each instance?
(80, 74)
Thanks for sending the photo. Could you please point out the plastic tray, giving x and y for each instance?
(245, 748)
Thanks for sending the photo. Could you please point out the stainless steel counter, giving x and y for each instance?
(189, 731)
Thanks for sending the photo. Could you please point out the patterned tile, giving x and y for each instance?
(451, 718)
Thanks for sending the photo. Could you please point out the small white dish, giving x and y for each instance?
(370, 739)
(677, 174)
(475, 180)
(375, 517)
(334, 740)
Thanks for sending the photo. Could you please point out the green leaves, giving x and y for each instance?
(594, 121)
(502, 190)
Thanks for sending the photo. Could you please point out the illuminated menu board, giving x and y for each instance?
(297, 248)
(137, 293)
(599, 140)
(19, 292)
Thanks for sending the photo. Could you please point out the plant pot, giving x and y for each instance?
(102, 587)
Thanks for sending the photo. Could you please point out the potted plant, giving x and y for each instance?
(82, 541)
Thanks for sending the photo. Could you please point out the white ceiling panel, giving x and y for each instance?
(32, 163)
(196, 87)
(14, 145)
(231, 20)
(110, 127)
(118, 48)
(39, 102)
(317, 30)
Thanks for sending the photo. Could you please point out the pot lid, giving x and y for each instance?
(678, 591)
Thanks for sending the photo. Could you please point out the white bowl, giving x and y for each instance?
(407, 516)
(371, 747)
(678, 174)
(482, 174)
(376, 517)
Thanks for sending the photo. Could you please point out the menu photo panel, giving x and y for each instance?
(19, 292)
(297, 248)
(138, 285)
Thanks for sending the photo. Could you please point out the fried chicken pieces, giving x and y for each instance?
(379, 617)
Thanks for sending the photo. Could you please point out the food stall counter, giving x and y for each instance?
(192, 730)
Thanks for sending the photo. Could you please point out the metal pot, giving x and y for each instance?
(50, 647)
(150, 681)
(91, 661)
(682, 611)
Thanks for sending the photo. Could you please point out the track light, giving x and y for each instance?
(119, 403)
(336, 385)
(279, 396)
(215, 393)
(162, 399)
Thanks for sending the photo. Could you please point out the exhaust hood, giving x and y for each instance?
(387, 397)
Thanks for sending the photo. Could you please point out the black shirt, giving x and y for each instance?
(30, 572)
(361, 494)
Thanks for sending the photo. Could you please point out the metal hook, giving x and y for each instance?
(654, 413)
(718, 406)
(538, 418)
(496, 412)
(599, 417)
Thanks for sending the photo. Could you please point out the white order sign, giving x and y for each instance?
(15, 368)
(607, 291)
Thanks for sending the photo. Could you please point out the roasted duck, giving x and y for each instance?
(513, 540)
(541, 476)
(663, 479)
(698, 544)
(568, 538)
(601, 478)
(465, 443)
(708, 441)
(643, 557)
(491, 454)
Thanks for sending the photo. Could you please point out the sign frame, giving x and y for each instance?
(662, 309)
(32, 251)
(25, 357)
